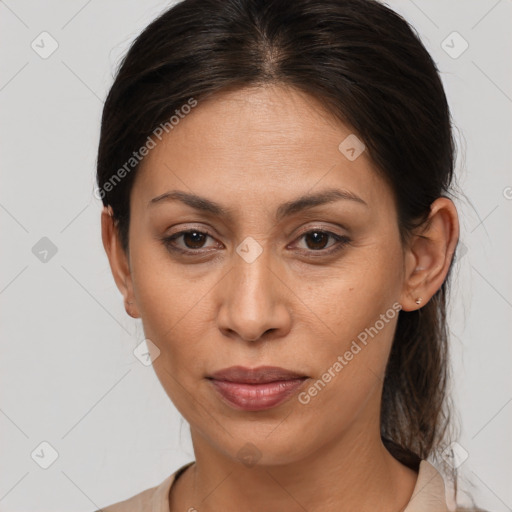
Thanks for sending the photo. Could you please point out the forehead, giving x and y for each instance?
(266, 142)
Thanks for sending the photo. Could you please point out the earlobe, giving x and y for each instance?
(129, 309)
(118, 259)
(430, 254)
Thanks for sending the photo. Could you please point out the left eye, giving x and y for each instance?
(318, 239)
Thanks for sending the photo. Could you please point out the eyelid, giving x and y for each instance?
(325, 229)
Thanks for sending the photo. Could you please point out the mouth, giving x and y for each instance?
(260, 375)
(258, 388)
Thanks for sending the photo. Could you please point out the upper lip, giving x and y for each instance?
(259, 375)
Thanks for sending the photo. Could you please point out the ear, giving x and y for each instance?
(429, 254)
(118, 259)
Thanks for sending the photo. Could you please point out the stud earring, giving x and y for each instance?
(418, 300)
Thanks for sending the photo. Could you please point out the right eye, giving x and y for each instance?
(193, 240)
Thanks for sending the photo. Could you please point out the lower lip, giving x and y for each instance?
(257, 397)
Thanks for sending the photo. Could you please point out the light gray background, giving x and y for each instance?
(67, 372)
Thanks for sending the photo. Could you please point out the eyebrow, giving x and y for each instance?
(286, 209)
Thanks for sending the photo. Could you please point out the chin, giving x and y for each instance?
(267, 448)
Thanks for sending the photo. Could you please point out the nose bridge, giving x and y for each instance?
(252, 269)
(253, 276)
(250, 301)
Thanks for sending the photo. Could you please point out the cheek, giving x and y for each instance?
(367, 285)
(173, 313)
(175, 309)
(165, 294)
(173, 318)
(351, 368)
(358, 312)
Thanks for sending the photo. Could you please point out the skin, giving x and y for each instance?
(252, 150)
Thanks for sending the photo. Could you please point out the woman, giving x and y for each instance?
(275, 179)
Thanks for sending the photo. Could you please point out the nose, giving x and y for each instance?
(255, 302)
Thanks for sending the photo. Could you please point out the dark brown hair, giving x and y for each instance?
(369, 69)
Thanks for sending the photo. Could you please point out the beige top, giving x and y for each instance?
(428, 494)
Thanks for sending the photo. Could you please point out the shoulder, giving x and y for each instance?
(430, 490)
(470, 509)
(139, 502)
(154, 499)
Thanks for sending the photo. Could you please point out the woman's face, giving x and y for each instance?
(268, 284)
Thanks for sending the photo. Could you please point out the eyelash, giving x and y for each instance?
(341, 240)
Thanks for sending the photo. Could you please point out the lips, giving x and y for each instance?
(260, 375)
(256, 389)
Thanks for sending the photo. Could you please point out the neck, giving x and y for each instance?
(353, 472)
